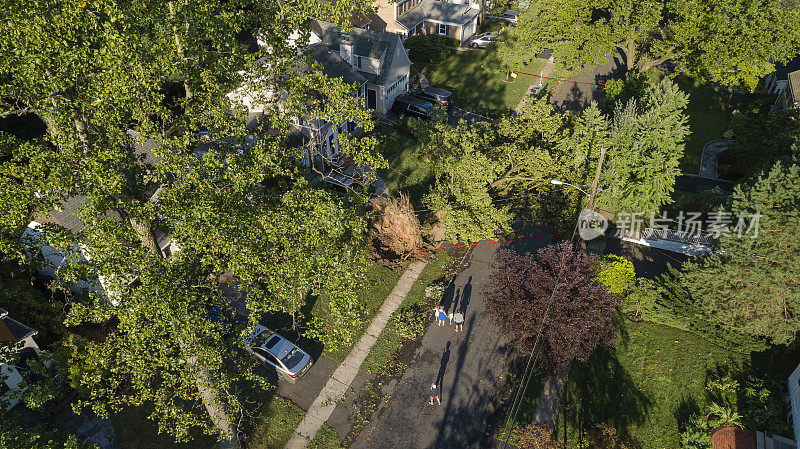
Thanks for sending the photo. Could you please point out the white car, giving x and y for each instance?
(482, 40)
(270, 348)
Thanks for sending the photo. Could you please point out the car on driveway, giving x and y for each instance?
(508, 16)
(407, 105)
(482, 40)
(433, 95)
(270, 348)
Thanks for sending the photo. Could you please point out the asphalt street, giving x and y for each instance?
(469, 367)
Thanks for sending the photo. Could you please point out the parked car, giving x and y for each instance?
(508, 16)
(270, 348)
(433, 95)
(482, 40)
(409, 105)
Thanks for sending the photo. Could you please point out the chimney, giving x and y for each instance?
(346, 48)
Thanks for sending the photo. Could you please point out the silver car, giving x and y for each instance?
(508, 16)
(270, 348)
(482, 40)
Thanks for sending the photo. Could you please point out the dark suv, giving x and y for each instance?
(434, 95)
(408, 105)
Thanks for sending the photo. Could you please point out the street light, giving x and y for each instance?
(559, 182)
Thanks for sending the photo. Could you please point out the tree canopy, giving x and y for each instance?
(731, 42)
(751, 285)
(557, 290)
(100, 76)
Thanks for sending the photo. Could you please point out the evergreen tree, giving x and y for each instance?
(751, 285)
(647, 142)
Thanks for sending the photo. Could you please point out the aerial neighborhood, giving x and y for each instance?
(432, 224)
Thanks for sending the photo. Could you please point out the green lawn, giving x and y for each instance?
(389, 341)
(477, 81)
(708, 119)
(326, 438)
(407, 173)
(653, 377)
(271, 430)
(135, 431)
(274, 427)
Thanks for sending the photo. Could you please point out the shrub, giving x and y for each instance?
(695, 434)
(616, 273)
(428, 48)
(434, 291)
(408, 322)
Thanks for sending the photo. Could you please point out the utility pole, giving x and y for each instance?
(596, 177)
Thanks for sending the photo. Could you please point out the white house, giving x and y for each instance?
(793, 386)
(18, 347)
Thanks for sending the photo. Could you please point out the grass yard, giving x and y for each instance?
(326, 438)
(407, 173)
(135, 431)
(653, 378)
(478, 82)
(274, 427)
(277, 419)
(389, 341)
(708, 119)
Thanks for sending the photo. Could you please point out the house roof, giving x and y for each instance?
(367, 43)
(733, 438)
(3, 313)
(794, 82)
(334, 66)
(439, 11)
(12, 330)
(782, 71)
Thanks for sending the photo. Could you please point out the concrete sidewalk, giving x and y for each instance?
(343, 376)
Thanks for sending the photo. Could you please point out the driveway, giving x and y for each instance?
(585, 87)
(469, 366)
(454, 115)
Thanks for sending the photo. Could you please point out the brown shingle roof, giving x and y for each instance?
(733, 438)
(794, 85)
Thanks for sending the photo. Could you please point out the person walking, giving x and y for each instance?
(434, 395)
(442, 316)
(458, 319)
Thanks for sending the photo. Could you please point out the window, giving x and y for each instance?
(443, 29)
(358, 62)
(272, 342)
(292, 358)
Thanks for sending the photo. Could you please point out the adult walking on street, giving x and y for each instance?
(458, 319)
(434, 395)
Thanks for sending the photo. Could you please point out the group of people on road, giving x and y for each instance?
(443, 318)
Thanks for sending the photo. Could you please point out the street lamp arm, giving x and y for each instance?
(558, 182)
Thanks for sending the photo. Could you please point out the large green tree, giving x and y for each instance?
(92, 71)
(728, 41)
(751, 285)
(482, 170)
(644, 140)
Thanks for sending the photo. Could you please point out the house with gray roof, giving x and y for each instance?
(458, 19)
(375, 59)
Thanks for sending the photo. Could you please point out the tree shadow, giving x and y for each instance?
(602, 391)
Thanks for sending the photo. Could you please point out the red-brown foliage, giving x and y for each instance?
(580, 316)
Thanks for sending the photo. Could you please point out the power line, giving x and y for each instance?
(538, 340)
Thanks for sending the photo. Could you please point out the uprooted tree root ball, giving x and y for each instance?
(395, 226)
